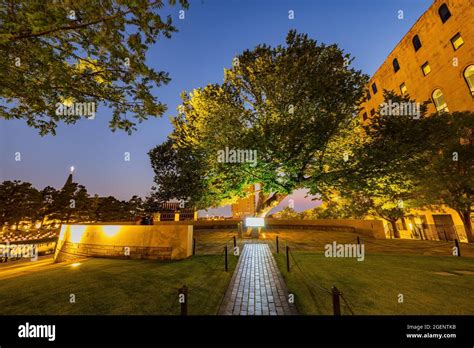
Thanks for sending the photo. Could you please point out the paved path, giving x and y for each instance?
(256, 287)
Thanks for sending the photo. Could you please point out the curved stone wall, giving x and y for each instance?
(163, 242)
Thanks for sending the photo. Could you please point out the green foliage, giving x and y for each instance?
(291, 104)
(416, 161)
(18, 200)
(287, 214)
(82, 51)
(110, 209)
(71, 203)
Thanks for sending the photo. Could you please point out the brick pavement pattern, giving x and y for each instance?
(256, 287)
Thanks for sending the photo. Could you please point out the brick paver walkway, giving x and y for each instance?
(257, 287)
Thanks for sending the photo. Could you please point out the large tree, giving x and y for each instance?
(72, 204)
(80, 51)
(110, 209)
(286, 107)
(19, 201)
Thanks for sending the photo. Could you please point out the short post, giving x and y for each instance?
(225, 257)
(336, 304)
(278, 248)
(358, 240)
(183, 299)
(235, 242)
(194, 246)
(287, 258)
(239, 229)
(458, 247)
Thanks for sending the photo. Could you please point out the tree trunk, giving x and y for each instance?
(42, 221)
(396, 234)
(466, 220)
(267, 202)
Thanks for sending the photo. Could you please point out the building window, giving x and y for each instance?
(396, 66)
(457, 41)
(368, 95)
(469, 76)
(416, 42)
(444, 13)
(364, 116)
(439, 101)
(372, 112)
(403, 88)
(374, 88)
(426, 68)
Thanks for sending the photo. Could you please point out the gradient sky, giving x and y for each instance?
(212, 33)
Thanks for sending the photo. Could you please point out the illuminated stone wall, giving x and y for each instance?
(371, 228)
(161, 242)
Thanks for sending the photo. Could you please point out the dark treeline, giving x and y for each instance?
(22, 203)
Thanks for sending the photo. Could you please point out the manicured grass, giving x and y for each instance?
(315, 241)
(429, 284)
(423, 271)
(213, 241)
(105, 286)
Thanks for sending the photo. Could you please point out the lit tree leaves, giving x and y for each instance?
(85, 50)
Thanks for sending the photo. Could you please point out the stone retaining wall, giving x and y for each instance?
(125, 241)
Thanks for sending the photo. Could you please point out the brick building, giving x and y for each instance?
(433, 61)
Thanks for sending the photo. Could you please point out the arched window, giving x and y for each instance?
(444, 13)
(416, 42)
(469, 76)
(439, 101)
(396, 66)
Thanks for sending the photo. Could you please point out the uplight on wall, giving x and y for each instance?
(76, 233)
(110, 231)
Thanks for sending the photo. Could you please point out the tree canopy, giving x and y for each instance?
(404, 162)
(285, 108)
(80, 52)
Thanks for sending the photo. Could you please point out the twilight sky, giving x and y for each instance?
(212, 33)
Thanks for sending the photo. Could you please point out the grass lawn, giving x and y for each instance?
(429, 284)
(314, 241)
(105, 286)
(430, 279)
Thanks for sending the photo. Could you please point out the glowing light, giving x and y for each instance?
(61, 233)
(110, 231)
(76, 264)
(72, 169)
(254, 222)
(76, 232)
